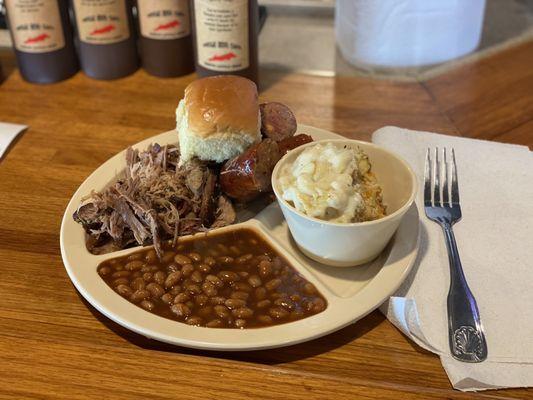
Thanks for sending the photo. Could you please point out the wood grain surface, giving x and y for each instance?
(55, 345)
(491, 99)
(7, 63)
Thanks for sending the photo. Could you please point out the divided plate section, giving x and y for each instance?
(81, 267)
(108, 172)
(344, 282)
(93, 261)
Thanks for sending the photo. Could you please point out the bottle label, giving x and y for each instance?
(101, 21)
(222, 34)
(164, 19)
(35, 25)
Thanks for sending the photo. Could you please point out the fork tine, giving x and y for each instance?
(436, 182)
(445, 188)
(455, 186)
(427, 180)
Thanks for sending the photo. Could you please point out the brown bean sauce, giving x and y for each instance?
(219, 280)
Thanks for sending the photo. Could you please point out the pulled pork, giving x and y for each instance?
(154, 200)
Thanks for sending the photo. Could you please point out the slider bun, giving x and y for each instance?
(218, 118)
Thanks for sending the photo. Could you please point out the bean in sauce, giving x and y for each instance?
(219, 280)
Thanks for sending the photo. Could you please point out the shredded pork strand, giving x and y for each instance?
(153, 200)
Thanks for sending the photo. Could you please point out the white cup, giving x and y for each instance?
(349, 244)
(407, 33)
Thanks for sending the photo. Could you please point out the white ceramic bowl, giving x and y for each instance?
(349, 244)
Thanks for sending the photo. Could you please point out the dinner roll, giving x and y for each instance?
(218, 118)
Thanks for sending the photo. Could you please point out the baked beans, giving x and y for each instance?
(228, 280)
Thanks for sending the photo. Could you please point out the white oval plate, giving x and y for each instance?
(351, 293)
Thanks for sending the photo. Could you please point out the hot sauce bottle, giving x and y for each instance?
(106, 38)
(225, 37)
(42, 39)
(165, 37)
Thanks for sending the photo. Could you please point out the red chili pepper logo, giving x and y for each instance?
(37, 39)
(105, 29)
(169, 25)
(223, 57)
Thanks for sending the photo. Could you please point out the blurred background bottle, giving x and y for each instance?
(225, 37)
(165, 41)
(106, 38)
(42, 39)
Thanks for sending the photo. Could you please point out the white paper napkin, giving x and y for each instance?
(495, 240)
(8, 132)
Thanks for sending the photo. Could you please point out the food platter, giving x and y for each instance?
(351, 293)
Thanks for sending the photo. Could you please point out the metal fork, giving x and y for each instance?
(441, 202)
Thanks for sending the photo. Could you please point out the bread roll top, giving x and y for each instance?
(223, 103)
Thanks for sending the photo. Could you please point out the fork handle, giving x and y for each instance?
(467, 340)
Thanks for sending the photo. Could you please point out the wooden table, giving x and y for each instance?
(55, 345)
